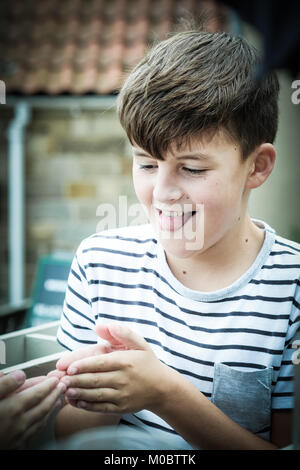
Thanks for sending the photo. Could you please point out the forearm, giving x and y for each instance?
(71, 420)
(199, 421)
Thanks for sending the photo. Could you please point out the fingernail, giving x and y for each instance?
(19, 376)
(71, 392)
(53, 382)
(72, 370)
(65, 380)
(62, 387)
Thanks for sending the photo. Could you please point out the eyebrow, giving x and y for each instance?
(197, 156)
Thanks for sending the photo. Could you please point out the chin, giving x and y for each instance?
(184, 242)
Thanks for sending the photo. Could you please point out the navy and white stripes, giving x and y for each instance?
(122, 275)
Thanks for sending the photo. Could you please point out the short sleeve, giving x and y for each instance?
(77, 322)
(282, 396)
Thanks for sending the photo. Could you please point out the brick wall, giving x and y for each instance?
(75, 161)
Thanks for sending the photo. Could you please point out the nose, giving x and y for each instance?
(166, 187)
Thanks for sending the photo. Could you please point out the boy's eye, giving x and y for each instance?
(146, 167)
(193, 171)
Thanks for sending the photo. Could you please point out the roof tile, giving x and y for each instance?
(83, 46)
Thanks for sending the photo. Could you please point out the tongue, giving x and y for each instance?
(172, 223)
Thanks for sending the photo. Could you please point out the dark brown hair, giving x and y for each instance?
(195, 82)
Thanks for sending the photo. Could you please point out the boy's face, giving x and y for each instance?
(196, 195)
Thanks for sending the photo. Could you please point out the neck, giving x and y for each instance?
(220, 264)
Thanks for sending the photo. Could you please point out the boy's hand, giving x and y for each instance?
(127, 379)
(68, 358)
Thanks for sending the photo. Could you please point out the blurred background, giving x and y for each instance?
(62, 149)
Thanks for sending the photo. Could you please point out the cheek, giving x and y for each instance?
(222, 210)
(213, 194)
(142, 187)
(220, 203)
(222, 194)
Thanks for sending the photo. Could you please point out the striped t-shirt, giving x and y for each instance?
(233, 344)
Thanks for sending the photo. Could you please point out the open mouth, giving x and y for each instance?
(172, 221)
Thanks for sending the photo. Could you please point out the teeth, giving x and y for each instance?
(172, 214)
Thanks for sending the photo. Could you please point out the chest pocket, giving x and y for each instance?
(244, 396)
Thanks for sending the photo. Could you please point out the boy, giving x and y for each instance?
(199, 308)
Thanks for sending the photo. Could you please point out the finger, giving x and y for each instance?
(56, 373)
(31, 430)
(104, 332)
(69, 357)
(38, 416)
(90, 380)
(45, 406)
(34, 380)
(30, 382)
(128, 337)
(37, 393)
(103, 407)
(100, 363)
(11, 382)
(93, 394)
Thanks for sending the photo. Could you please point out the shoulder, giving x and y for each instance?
(288, 247)
(284, 267)
(284, 253)
(279, 276)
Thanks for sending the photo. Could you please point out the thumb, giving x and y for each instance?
(122, 337)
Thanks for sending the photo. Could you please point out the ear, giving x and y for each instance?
(262, 164)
